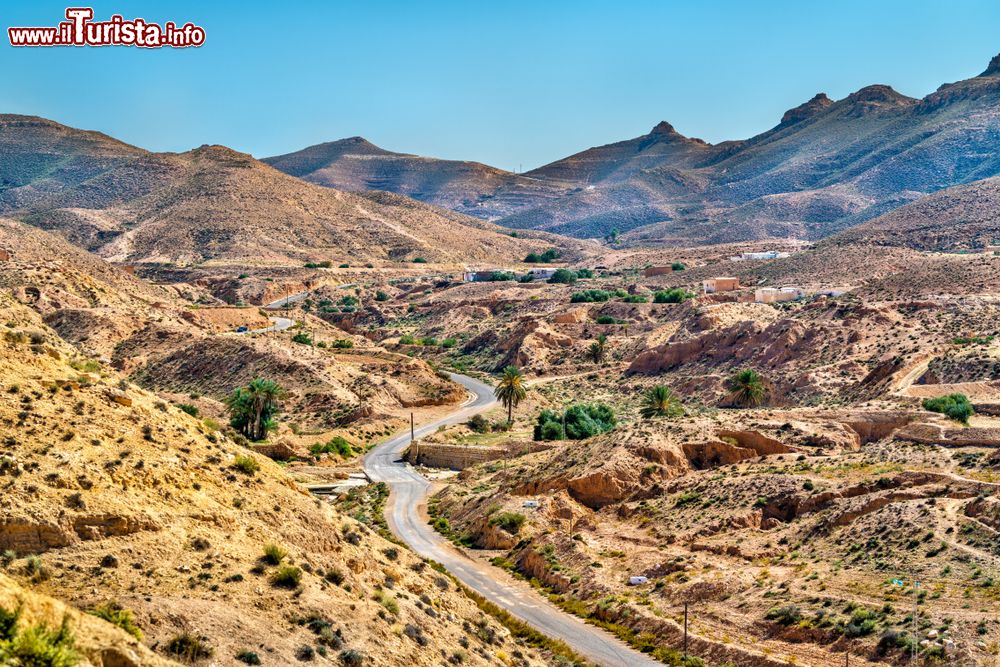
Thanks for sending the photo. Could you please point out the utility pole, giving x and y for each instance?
(916, 585)
(412, 438)
(685, 630)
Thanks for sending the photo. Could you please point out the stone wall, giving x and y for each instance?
(459, 457)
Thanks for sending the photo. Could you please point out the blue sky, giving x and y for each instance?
(507, 83)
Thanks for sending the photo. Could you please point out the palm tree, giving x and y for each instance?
(511, 390)
(661, 402)
(252, 408)
(746, 388)
(597, 348)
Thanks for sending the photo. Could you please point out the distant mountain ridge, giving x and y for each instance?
(826, 166)
(213, 203)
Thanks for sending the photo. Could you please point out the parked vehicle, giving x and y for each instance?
(242, 329)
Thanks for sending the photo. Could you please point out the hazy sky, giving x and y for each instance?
(507, 83)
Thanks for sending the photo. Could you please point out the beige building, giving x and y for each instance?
(778, 294)
(726, 284)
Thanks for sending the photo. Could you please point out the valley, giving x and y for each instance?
(658, 402)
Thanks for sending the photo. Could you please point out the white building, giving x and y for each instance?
(778, 294)
(541, 274)
(767, 254)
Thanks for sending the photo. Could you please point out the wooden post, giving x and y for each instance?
(412, 438)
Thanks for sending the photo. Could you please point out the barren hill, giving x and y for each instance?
(214, 203)
(473, 188)
(116, 498)
(957, 219)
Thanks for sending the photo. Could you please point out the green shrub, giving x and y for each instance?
(636, 298)
(343, 344)
(189, 409)
(584, 273)
(302, 338)
(954, 406)
(449, 343)
(381, 296)
(286, 576)
(544, 257)
(677, 266)
(115, 615)
(590, 296)
(429, 341)
(248, 657)
(419, 260)
(563, 276)
(479, 424)
(787, 615)
(672, 295)
(388, 602)
(351, 658)
(605, 319)
(246, 465)
(581, 421)
(35, 646)
(509, 521)
(501, 276)
(188, 648)
(273, 554)
(337, 444)
(407, 339)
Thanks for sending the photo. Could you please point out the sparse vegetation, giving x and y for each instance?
(116, 615)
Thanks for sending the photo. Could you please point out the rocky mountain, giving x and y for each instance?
(826, 166)
(213, 203)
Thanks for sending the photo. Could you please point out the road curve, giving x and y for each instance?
(409, 490)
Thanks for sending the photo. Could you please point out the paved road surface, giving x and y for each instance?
(410, 489)
(287, 300)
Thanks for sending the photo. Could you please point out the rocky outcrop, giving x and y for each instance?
(25, 535)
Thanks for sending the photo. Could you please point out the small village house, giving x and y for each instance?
(778, 294)
(726, 284)
(541, 274)
(767, 254)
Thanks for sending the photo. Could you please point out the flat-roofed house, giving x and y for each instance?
(778, 294)
(726, 284)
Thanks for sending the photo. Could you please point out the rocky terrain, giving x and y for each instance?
(826, 166)
(119, 499)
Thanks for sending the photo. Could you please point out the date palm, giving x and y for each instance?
(252, 408)
(661, 402)
(597, 348)
(511, 390)
(746, 388)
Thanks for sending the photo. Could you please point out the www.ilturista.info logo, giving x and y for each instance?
(81, 30)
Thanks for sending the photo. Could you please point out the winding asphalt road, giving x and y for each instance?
(409, 490)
